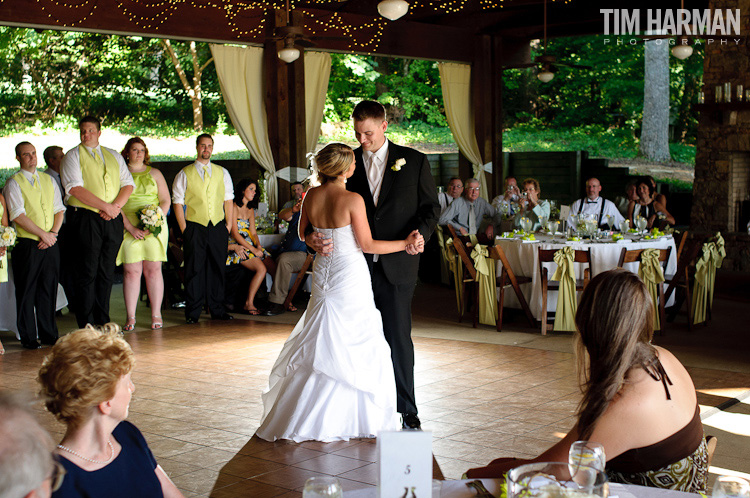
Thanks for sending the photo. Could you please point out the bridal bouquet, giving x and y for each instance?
(7, 238)
(152, 219)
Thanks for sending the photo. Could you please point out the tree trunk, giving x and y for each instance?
(194, 91)
(655, 127)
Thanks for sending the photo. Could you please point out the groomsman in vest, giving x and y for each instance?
(35, 206)
(97, 183)
(202, 195)
(594, 204)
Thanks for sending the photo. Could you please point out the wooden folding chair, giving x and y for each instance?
(691, 248)
(506, 278)
(548, 256)
(634, 255)
(301, 275)
(469, 275)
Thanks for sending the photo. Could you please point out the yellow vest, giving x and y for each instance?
(38, 202)
(103, 183)
(204, 198)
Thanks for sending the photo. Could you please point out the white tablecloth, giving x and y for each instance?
(458, 489)
(8, 303)
(523, 259)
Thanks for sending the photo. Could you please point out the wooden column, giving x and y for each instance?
(285, 104)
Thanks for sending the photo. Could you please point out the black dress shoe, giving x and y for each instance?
(31, 345)
(191, 320)
(410, 421)
(223, 316)
(275, 309)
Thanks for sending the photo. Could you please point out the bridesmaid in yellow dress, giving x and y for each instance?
(3, 251)
(142, 252)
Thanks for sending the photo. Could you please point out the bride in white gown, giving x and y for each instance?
(334, 377)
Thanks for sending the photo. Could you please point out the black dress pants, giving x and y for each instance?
(394, 303)
(97, 242)
(205, 264)
(36, 274)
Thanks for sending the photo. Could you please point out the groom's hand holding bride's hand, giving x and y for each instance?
(414, 243)
(319, 243)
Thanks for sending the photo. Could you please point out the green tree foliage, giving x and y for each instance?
(410, 89)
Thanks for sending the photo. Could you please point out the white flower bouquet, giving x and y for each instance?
(152, 219)
(7, 238)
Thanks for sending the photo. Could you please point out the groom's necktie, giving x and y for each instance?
(472, 220)
(372, 174)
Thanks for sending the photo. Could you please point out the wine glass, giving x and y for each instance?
(641, 223)
(553, 225)
(591, 225)
(624, 226)
(526, 224)
(587, 453)
(322, 487)
(544, 222)
(609, 220)
(731, 487)
(575, 219)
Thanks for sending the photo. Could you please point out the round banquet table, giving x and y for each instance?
(523, 259)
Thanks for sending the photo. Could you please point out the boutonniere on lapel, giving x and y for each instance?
(398, 164)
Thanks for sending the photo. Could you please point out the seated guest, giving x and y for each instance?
(86, 381)
(27, 468)
(244, 243)
(623, 202)
(530, 206)
(629, 386)
(660, 198)
(291, 259)
(454, 189)
(647, 206)
(297, 190)
(466, 214)
(507, 202)
(593, 203)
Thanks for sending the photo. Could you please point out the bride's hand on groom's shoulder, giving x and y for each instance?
(414, 243)
(319, 243)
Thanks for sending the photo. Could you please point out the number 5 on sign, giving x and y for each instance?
(405, 464)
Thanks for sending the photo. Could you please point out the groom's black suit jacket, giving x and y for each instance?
(408, 200)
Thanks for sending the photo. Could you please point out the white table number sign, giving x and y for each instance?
(405, 464)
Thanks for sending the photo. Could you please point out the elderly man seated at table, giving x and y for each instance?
(638, 402)
(467, 214)
(455, 189)
(507, 202)
(530, 206)
(594, 204)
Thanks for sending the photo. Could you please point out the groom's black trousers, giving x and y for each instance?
(394, 303)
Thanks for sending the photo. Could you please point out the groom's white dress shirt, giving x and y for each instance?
(375, 169)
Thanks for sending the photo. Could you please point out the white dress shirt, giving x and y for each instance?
(70, 171)
(180, 183)
(445, 200)
(595, 207)
(375, 178)
(14, 197)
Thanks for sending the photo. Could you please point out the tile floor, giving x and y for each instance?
(483, 395)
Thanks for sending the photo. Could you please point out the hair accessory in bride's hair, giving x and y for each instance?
(314, 178)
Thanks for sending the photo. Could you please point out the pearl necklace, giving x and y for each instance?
(111, 457)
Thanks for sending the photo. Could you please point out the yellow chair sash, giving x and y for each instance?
(567, 302)
(717, 258)
(705, 276)
(457, 268)
(652, 275)
(487, 282)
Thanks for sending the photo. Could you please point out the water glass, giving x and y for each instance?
(587, 453)
(624, 226)
(544, 222)
(322, 487)
(542, 480)
(731, 487)
(553, 225)
(642, 223)
(610, 220)
(526, 224)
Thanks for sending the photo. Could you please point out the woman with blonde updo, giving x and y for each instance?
(334, 378)
(86, 382)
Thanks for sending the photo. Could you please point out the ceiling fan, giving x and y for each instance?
(547, 64)
(294, 36)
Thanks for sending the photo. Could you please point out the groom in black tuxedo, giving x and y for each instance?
(400, 196)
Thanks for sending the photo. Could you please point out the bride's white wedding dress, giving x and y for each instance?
(334, 377)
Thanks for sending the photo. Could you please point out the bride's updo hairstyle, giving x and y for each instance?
(615, 324)
(332, 161)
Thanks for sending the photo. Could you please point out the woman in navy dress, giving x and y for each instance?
(86, 381)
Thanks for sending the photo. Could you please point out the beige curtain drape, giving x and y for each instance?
(317, 73)
(240, 71)
(455, 81)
